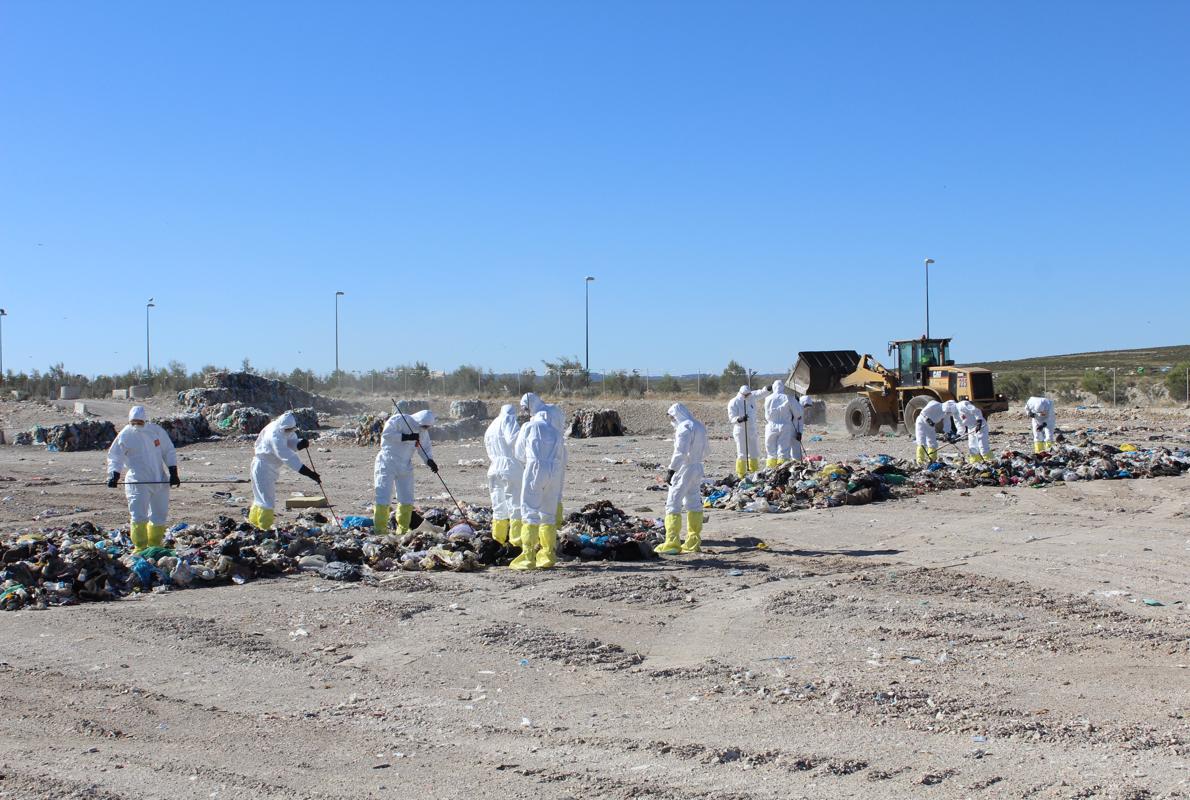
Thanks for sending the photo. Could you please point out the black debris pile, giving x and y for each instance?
(589, 423)
(602, 531)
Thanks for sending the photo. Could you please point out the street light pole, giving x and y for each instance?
(338, 379)
(148, 369)
(3, 314)
(587, 288)
(928, 262)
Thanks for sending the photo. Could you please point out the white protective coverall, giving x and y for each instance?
(744, 431)
(972, 423)
(685, 495)
(143, 454)
(783, 426)
(504, 475)
(1041, 412)
(403, 434)
(925, 433)
(534, 405)
(276, 446)
(539, 447)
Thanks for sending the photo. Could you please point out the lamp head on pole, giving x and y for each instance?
(150, 304)
(589, 278)
(3, 313)
(339, 294)
(929, 261)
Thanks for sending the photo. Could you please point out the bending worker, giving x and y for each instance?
(926, 432)
(969, 421)
(143, 452)
(539, 447)
(741, 413)
(533, 405)
(504, 476)
(402, 434)
(1041, 412)
(783, 427)
(685, 480)
(277, 445)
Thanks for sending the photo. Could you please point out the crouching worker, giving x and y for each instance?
(504, 476)
(539, 447)
(402, 434)
(143, 453)
(926, 431)
(685, 480)
(276, 446)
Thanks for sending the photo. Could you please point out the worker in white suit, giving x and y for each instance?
(143, 453)
(685, 483)
(403, 434)
(276, 446)
(1041, 413)
(504, 475)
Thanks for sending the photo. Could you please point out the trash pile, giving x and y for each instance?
(245, 389)
(588, 423)
(602, 531)
(88, 434)
(367, 429)
(412, 406)
(84, 563)
(796, 485)
(465, 409)
(185, 429)
(231, 419)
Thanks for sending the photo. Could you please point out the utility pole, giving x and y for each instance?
(148, 369)
(928, 262)
(587, 289)
(338, 380)
(3, 314)
(1113, 386)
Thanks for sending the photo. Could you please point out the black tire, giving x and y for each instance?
(860, 418)
(912, 409)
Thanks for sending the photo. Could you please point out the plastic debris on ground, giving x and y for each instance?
(798, 485)
(602, 531)
(82, 563)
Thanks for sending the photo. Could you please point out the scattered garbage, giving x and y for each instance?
(84, 563)
(800, 485)
(1150, 602)
(88, 434)
(602, 531)
(588, 423)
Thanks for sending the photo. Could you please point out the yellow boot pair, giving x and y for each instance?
(380, 519)
(500, 528)
(1038, 448)
(261, 518)
(528, 557)
(922, 458)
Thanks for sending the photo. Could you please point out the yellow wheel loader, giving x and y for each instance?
(922, 371)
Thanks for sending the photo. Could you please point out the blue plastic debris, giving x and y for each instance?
(357, 522)
(181, 526)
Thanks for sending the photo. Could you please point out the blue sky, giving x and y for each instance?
(745, 180)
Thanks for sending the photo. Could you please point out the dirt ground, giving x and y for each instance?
(966, 644)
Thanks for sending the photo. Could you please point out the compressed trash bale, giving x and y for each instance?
(307, 418)
(271, 396)
(588, 423)
(244, 420)
(368, 428)
(458, 429)
(465, 409)
(185, 429)
(83, 435)
(412, 406)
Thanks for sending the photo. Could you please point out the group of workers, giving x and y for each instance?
(527, 464)
(963, 418)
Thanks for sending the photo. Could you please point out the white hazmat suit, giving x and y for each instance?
(685, 483)
(540, 448)
(783, 426)
(1041, 412)
(276, 446)
(144, 454)
(972, 423)
(403, 434)
(741, 413)
(534, 405)
(926, 433)
(504, 475)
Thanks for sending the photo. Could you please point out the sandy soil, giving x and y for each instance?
(982, 644)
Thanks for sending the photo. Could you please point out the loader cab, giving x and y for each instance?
(915, 357)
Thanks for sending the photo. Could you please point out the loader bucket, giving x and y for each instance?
(820, 371)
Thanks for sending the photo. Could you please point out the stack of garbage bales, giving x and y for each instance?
(184, 429)
(588, 423)
(87, 434)
(244, 388)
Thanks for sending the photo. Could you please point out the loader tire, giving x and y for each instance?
(860, 418)
(912, 409)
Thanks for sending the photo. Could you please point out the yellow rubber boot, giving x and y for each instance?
(380, 519)
(500, 530)
(753, 464)
(139, 534)
(921, 454)
(741, 467)
(769, 463)
(547, 537)
(404, 515)
(558, 516)
(264, 520)
(693, 543)
(254, 515)
(514, 533)
(156, 535)
(671, 546)
(932, 453)
(974, 459)
(528, 557)
(1037, 447)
